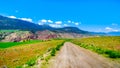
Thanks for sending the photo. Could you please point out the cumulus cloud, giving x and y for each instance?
(109, 29)
(72, 22)
(58, 22)
(65, 25)
(116, 30)
(55, 25)
(26, 19)
(69, 21)
(76, 23)
(43, 20)
(11, 16)
(50, 21)
(40, 23)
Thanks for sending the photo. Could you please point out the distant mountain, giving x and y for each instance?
(70, 30)
(113, 33)
(28, 30)
(9, 23)
(98, 33)
(17, 24)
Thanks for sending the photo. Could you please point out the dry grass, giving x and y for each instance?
(112, 43)
(108, 46)
(19, 55)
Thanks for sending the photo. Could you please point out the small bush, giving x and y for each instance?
(114, 54)
(18, 66)
(41, 57)
(53, 52)
(49, 49)
(31, 62)
(47, 58)
(58, 47)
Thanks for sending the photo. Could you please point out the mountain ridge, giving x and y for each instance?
(35, 31)
(10, 23)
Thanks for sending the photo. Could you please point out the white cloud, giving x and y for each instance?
(26, 19)
(69, 21)
(55, 25)
(58, 22)
(43, 20)
(76, 23)
(73, 22)
(50, 21)
(65, 25)
(40, 23)
(11, 16)
(109, 29)
(116, 30)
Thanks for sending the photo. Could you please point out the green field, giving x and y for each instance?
(11, 44)
(108, 46)
(17, 54)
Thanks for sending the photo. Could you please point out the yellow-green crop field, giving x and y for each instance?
(19, 55)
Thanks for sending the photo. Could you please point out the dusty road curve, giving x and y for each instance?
(73, 56)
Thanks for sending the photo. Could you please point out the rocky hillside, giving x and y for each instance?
(19, 36)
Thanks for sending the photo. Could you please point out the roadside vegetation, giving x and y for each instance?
(15, 56)
(108, 46)
(52, 52)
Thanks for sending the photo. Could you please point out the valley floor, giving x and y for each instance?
(73, 56)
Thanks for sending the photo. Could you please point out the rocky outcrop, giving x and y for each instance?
(39, 35)
(19, 36)
(45, 35)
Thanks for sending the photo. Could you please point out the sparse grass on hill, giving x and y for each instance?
(16, 56)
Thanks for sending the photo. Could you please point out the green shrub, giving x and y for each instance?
(47, 58)
(18, 66)
(58, 47)
(31, 62)
(53, 52)
(114, 54)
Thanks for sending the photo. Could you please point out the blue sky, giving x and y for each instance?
(89, 15)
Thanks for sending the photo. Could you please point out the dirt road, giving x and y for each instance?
(73, 56)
